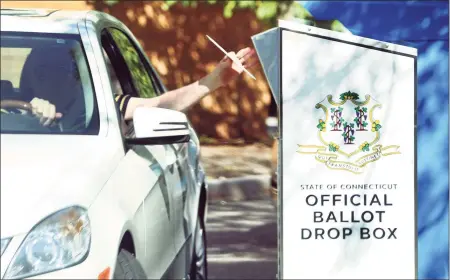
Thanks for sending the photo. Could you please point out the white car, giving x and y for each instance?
(80, 199)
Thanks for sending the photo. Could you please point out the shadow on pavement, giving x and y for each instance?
(242, 240)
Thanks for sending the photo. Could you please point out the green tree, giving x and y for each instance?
(141, 80)
(266, 11)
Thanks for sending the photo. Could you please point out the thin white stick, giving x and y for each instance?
(232, 58)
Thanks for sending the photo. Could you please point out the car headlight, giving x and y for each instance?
(59, 241)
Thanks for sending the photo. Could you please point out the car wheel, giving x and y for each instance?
(199, 266)
(128, 267)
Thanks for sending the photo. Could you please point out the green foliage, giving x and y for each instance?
(337, 26)
(364, 147)
(246, 4)
(337, 110)
(141, 79)
(358, 108)
(267, 10)
(349, 96)
(187, 3)
(170, 2)
(332, 147)
(264, 10)
(228, 9)
(111, 2)
(321, 125)
(376, 126)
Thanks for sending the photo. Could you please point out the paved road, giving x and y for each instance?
(242, 240)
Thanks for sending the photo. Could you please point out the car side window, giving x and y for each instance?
(115, 83)
(117, 88)
(140, 76)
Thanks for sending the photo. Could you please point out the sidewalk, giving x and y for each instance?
(242, 240)
(237, 173)
(242, 220)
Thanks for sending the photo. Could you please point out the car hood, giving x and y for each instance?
(43, 174)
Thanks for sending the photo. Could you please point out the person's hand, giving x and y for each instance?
(45, 111)
(226, 71)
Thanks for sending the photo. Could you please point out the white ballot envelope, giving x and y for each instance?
(347, 158)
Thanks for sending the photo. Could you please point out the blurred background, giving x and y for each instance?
(238, 148)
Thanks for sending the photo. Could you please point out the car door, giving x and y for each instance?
(157, 203)
(179, 168)
(185, 194)
(181, 161)
(186, 191)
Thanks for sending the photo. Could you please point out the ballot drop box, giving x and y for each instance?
(347, 157)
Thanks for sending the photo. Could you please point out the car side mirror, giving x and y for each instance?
(158, 126)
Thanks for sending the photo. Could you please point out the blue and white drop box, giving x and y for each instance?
(347, 158)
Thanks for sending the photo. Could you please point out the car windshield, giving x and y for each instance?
(52, 67)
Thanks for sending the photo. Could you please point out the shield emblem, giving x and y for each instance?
(348, 126)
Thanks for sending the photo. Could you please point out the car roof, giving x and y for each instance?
(42, 20)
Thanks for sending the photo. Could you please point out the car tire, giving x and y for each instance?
(199, 265)
(128, 267)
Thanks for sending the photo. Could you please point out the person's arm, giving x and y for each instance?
(179, 99)
(183, 98)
